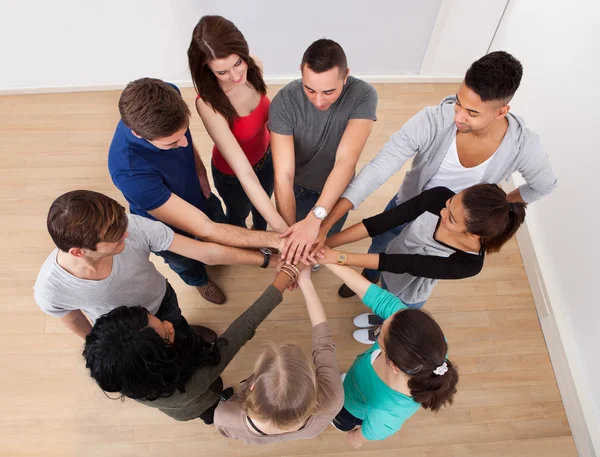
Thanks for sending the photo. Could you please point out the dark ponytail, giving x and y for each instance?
(415, 343)
(491, 216)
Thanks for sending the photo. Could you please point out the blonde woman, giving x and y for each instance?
(286, 398)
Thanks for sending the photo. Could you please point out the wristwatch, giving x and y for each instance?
(342, 258)
(267, 253)
(319, 212)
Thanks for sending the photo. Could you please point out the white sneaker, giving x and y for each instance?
(366, 335)
(367, 320)
(316, 267)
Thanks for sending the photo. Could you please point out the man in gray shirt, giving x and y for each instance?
(102, 262)
(469, 138)
(319, 126)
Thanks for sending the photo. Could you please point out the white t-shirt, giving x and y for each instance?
(453, 175)
(133, 281)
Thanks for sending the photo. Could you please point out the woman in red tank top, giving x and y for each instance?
(234, 107)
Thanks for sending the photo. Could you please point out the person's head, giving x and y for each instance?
(156, 112)
(324, 72)
(414, 344)
(88, 224)
(219, 56)
(483, 211)
(284, 389)
(132, 352)
(488, 87)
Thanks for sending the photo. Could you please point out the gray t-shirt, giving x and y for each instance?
(317, 134)
(133, 281)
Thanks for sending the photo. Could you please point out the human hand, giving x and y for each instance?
(299, 239)
(304, 275)
(320, 240)
(327, 256)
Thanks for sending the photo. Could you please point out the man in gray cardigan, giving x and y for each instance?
(469, 138)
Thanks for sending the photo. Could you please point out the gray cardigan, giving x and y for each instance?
(427, 137)
(198, 397)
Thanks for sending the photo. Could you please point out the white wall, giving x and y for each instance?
(462, 33)
(558, 43)
(90, 42)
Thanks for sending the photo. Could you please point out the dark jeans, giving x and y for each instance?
(191, 271)
(170, 311)
(237, 203)
(346, 421)
(306, 200)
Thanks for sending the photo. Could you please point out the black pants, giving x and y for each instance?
(208, 416)
(346, 421)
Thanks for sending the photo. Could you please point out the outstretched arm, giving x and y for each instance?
(179, 213)
(353, 279)
(77, 323)
(218, 129)
(316, 312)
(216, 254)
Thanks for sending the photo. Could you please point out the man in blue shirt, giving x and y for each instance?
(154, 163)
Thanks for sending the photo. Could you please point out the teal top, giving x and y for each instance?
(382, 409)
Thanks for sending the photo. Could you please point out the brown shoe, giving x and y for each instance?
(207, 334)
(212, 293)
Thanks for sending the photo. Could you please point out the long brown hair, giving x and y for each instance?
(285, 390)
(415, 343)
(217, 38)
(491, 216)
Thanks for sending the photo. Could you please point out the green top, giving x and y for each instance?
(382, 409)
(198, 397)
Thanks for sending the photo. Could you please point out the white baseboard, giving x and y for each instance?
(559, 340)
(270, 80)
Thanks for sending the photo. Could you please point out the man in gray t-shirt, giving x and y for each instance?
(102, 262)
(319, 126)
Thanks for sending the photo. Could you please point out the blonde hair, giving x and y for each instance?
(285, 390)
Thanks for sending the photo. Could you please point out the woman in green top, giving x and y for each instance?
(131, 352)
(405, 369)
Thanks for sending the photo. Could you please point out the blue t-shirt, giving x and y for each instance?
(147, 175)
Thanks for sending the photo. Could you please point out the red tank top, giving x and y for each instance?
(251, 134)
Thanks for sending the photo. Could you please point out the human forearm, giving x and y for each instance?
(353, 279)
(350, 235)
(77, 323)
(286, 201)
(316, 313)
(336, 183)
(217, 254)
(356, 438)
(342, 206)
(231, 235)
(261, 201)
(370, 261)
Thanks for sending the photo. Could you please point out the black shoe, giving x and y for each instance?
(207, 334)
(227, 394)
(345, 292)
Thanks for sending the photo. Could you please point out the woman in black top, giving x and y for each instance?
(446, 237)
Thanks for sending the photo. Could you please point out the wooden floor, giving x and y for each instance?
(508, 403)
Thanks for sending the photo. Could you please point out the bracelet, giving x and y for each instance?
(293, 267)
(290, 270)
(288, 273)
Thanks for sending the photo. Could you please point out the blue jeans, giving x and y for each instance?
(306, 200)
(237, 203)
(191, 271)
(169, 311)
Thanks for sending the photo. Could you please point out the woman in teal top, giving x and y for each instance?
(405, 369)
